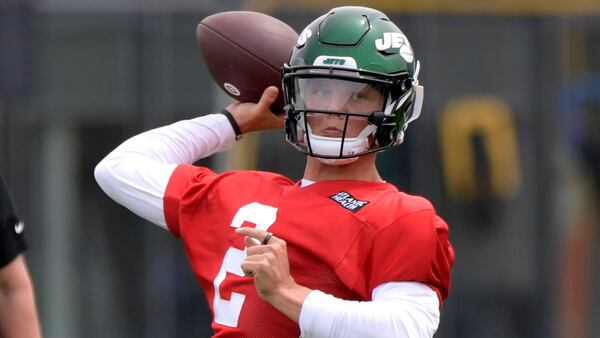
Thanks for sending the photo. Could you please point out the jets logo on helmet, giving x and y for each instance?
(305, 35)
(395, 40)
(350, 87)
(339, 61)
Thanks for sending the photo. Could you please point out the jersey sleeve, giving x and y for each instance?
(414, 248)
(12, 241)
(183, 176)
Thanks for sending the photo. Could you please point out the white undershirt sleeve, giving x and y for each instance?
(136, 173)
(398, 309)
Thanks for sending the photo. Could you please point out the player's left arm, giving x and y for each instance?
(397, 309)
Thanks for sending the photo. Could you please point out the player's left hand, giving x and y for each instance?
(267, 263)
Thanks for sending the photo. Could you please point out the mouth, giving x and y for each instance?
(331, 132)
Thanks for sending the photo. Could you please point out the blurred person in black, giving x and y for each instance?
(18, 315)
(580, 117)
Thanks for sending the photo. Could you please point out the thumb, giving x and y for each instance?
(268, 97)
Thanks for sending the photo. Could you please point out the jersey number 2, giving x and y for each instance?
(227, 312)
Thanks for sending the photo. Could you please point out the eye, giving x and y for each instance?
(358, 96)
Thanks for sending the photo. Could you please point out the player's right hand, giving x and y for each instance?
(257, 116)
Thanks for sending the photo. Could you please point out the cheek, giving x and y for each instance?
(315, 121)
(355, 127)
(369, 106)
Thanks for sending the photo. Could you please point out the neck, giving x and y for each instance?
(363, 169)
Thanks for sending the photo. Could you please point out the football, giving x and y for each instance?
(244, 52)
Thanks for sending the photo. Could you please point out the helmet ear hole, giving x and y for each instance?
(400, 88)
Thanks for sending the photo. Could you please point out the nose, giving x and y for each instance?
(338, 102)
(334, 116)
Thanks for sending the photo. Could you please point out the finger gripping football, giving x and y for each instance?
(244, 52)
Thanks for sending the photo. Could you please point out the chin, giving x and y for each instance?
(337, 161)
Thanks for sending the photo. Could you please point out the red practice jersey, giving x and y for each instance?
(343, 237)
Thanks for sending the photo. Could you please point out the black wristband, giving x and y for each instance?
(234, 125)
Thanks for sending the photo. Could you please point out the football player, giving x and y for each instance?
(340, 253)
(18, 315)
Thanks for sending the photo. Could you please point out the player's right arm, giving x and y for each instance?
(137, 172)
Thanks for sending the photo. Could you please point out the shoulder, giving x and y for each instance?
(391, 207)
(190, 180)
(248, 180)
(197, 174)
(258, 175)
(405, 203)
(412, 243)
(376, 204)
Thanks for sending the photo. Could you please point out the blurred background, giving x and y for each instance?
(507, 148)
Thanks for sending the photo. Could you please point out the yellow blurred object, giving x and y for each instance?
(491, 119)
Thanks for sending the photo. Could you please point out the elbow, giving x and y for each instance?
(102, 173)
(418, 323)
(111, 176)
(105, 175)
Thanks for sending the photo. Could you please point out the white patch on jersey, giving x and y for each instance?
(396, 40)
(231, 89)
(348, 201)
(304, 36)
(19, 227)
(335, 61)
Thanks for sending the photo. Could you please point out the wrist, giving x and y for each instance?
(253, 117)
(243, 118)
(289, 299)
(234, 124)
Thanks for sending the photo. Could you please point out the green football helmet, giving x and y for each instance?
(351, 86)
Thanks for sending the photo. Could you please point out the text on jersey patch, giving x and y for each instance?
(348, 201)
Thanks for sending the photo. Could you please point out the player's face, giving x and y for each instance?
(334, 95)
